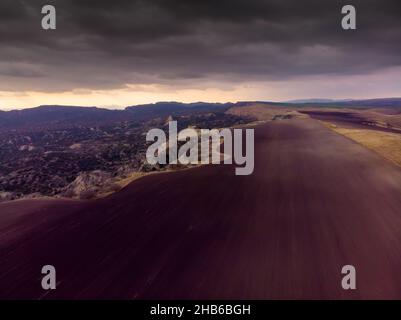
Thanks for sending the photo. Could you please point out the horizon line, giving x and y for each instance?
(121, 108)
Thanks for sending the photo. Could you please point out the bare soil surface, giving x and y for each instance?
(316, 201)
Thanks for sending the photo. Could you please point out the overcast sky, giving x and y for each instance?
(120, 52)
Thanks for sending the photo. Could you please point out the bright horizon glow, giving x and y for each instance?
(383, 84)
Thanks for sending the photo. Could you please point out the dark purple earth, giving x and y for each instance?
(316, 201)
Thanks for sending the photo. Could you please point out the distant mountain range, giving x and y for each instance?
(381, 102)
(64, 116)
(164, 109)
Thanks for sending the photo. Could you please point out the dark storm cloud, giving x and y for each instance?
(106, 44)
